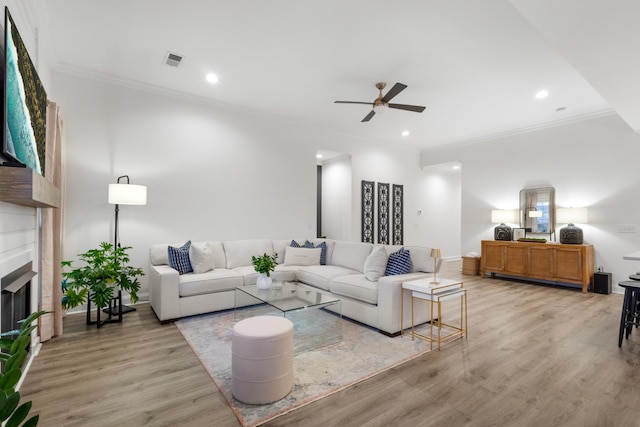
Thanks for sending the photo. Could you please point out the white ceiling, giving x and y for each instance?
(476, 65)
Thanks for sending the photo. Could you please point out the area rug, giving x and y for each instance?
(360, 354)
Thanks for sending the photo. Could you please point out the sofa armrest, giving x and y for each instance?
(164, 291)
(389, 301)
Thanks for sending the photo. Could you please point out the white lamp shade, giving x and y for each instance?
(572, 216)
(127, 194)
(499, 216)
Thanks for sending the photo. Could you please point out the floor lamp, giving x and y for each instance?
(125, 194)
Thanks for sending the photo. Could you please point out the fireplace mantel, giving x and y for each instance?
(26, 187)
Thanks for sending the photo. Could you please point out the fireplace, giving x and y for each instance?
(16, 297)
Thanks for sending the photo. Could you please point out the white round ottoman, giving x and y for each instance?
(262, 359)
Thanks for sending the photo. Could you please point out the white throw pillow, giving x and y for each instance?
(201, 257)
(375, 264)
(302, 256)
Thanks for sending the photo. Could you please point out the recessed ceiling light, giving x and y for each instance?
(212, 78)
(542, 94)
(318, 156)
(405, 133)
(456, 167)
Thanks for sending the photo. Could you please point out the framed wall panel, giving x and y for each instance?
(398, 217)
(383, 213)
(367, 211)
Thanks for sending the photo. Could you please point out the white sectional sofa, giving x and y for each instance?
(351, 273)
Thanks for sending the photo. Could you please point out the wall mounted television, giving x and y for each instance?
(25, 104)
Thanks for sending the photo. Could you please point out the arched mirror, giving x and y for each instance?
(537, 210)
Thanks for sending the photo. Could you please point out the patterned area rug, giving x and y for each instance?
(360, 354)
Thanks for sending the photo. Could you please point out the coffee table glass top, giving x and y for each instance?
(313, 327)
(289, 296)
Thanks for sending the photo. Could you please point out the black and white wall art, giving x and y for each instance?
(367, 210)
(383, 213)
(398, 232)
(389, 212)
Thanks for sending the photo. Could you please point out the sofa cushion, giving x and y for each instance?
(239, 252)
(351, 254)
(302, 256)
(322, 246)
(279, 247)
(158, 254)
(285, 273)
(321, 275)
(217, 280)
(331, 244)
(421, 259)
(201, 257)
(179, 258)
(355, 286)
(282, 273)
(376, 263)
(248, 273)
(399, 263)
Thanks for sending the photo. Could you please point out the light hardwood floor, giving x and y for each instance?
(535, 356)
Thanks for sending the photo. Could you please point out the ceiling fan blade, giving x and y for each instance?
(416, 108)
(352, 102)
(396, 89)
(369, 116)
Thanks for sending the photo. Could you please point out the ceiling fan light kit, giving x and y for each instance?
(383, 101)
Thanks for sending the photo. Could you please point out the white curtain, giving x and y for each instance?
(51, 241)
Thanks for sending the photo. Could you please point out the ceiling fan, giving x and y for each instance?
(383, 101)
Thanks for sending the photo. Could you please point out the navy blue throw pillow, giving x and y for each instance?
(179, 258)
(399, 263)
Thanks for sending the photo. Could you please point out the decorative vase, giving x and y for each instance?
(571, 235)
(264, 281)
(502, 232)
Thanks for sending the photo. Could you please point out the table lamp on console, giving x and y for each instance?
(435, 254)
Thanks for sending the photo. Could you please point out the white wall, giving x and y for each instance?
(441, 210)
(336, 198)
(592, 163)
(213, 171)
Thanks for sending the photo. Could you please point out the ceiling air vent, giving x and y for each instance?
(173, 59)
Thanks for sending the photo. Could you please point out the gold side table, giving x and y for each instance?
(445, 289)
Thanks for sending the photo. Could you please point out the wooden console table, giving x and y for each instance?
(543, 261)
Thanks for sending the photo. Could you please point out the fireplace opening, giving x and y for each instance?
(15, 304)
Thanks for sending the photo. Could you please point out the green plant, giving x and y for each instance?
(12, 362)
(265, 263)
(106, 267)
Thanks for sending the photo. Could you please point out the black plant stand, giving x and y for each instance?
(115, 308)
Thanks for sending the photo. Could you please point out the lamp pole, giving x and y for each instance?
(124, 193)
(115, 237)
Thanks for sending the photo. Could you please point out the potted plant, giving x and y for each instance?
(104, 271)
(264, 265)
(14, 352)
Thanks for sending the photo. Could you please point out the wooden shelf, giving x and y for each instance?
(26, 187)
(543, 261)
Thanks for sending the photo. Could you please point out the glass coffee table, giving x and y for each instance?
(314, 326)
